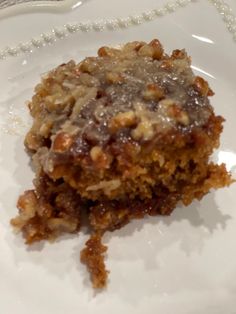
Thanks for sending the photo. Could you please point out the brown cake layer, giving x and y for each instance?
(118, 136)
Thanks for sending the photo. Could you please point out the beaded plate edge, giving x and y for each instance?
(68, 29)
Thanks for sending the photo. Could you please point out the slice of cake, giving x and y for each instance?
(118, 136)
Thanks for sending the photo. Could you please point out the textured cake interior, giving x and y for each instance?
(119, 136)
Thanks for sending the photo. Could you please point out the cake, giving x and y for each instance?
(125, 134)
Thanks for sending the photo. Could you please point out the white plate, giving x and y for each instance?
(183, 264)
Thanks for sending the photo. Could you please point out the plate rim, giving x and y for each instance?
(58, 33)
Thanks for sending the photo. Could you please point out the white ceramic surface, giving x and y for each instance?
(184, 264)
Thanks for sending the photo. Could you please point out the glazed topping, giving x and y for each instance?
(124, 94)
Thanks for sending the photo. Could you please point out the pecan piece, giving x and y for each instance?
(167, 64)
(107, 52)
(202, 86)
(100, 158)
(122, 120)
(153, 49)
(178, 54)
(62, 142)
(153, 92)
(114, 78)
(178, 114)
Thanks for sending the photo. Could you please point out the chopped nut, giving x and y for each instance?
(106, 186)
(87, 94)
(153, 49)
(143, 131)
(165, 103)
(77, 71)
(178, 54)
(107, 52)
(45, 128)
(161, 160)
(101, 159)
(89, 80)
(135, 45)
(183, 118)
(96, 153)
(89, 65)
(153, 92)
(114, 77)
(178, 114)
(157, 49)
(210, 92)
(62, 142)
(69, 127)
(78, 91)
(44, 210)
(146, 51)
(167, 64)
(122, 120)
(58, 101)
(202, 86)
(62, 224)
(157, 156)
(103, 52)
(27, 204)
(33, 141)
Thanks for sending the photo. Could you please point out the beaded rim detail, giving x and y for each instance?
(58, 33)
